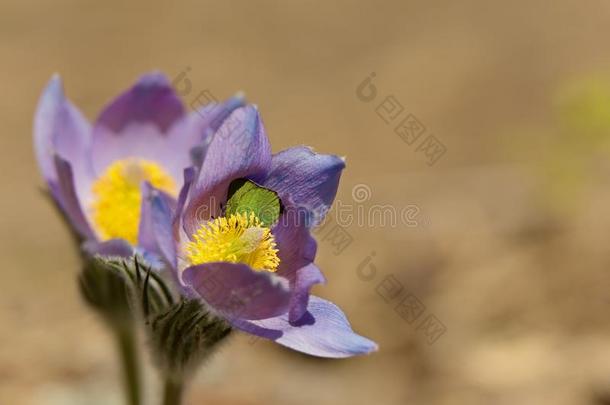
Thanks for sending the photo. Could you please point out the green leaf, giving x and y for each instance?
(245, 196)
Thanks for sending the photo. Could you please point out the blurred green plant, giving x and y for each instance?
(568, 155)
(584, 109)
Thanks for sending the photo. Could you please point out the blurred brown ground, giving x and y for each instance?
(521, 287)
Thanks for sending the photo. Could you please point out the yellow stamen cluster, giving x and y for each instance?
(117, 196)
(238, 238)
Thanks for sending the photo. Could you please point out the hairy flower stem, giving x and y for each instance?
(129, 359)
(173, 390)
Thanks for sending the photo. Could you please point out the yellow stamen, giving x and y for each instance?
(239, 238)
(117, 198)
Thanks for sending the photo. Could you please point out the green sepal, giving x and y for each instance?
(107, 291)
(121, 289)
(126, 292)
(184, 335)
(245, 196)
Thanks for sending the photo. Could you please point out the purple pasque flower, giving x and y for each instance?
(258, 276)
(96, 172)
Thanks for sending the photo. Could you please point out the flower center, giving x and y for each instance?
(117, 197)
(238, 238)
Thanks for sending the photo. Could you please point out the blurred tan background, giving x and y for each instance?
(510, 247)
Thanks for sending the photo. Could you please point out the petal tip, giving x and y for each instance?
(54, 89)
(240, 95)
(155, 78)
(369, 347)
(150, 100)
(55, 77)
